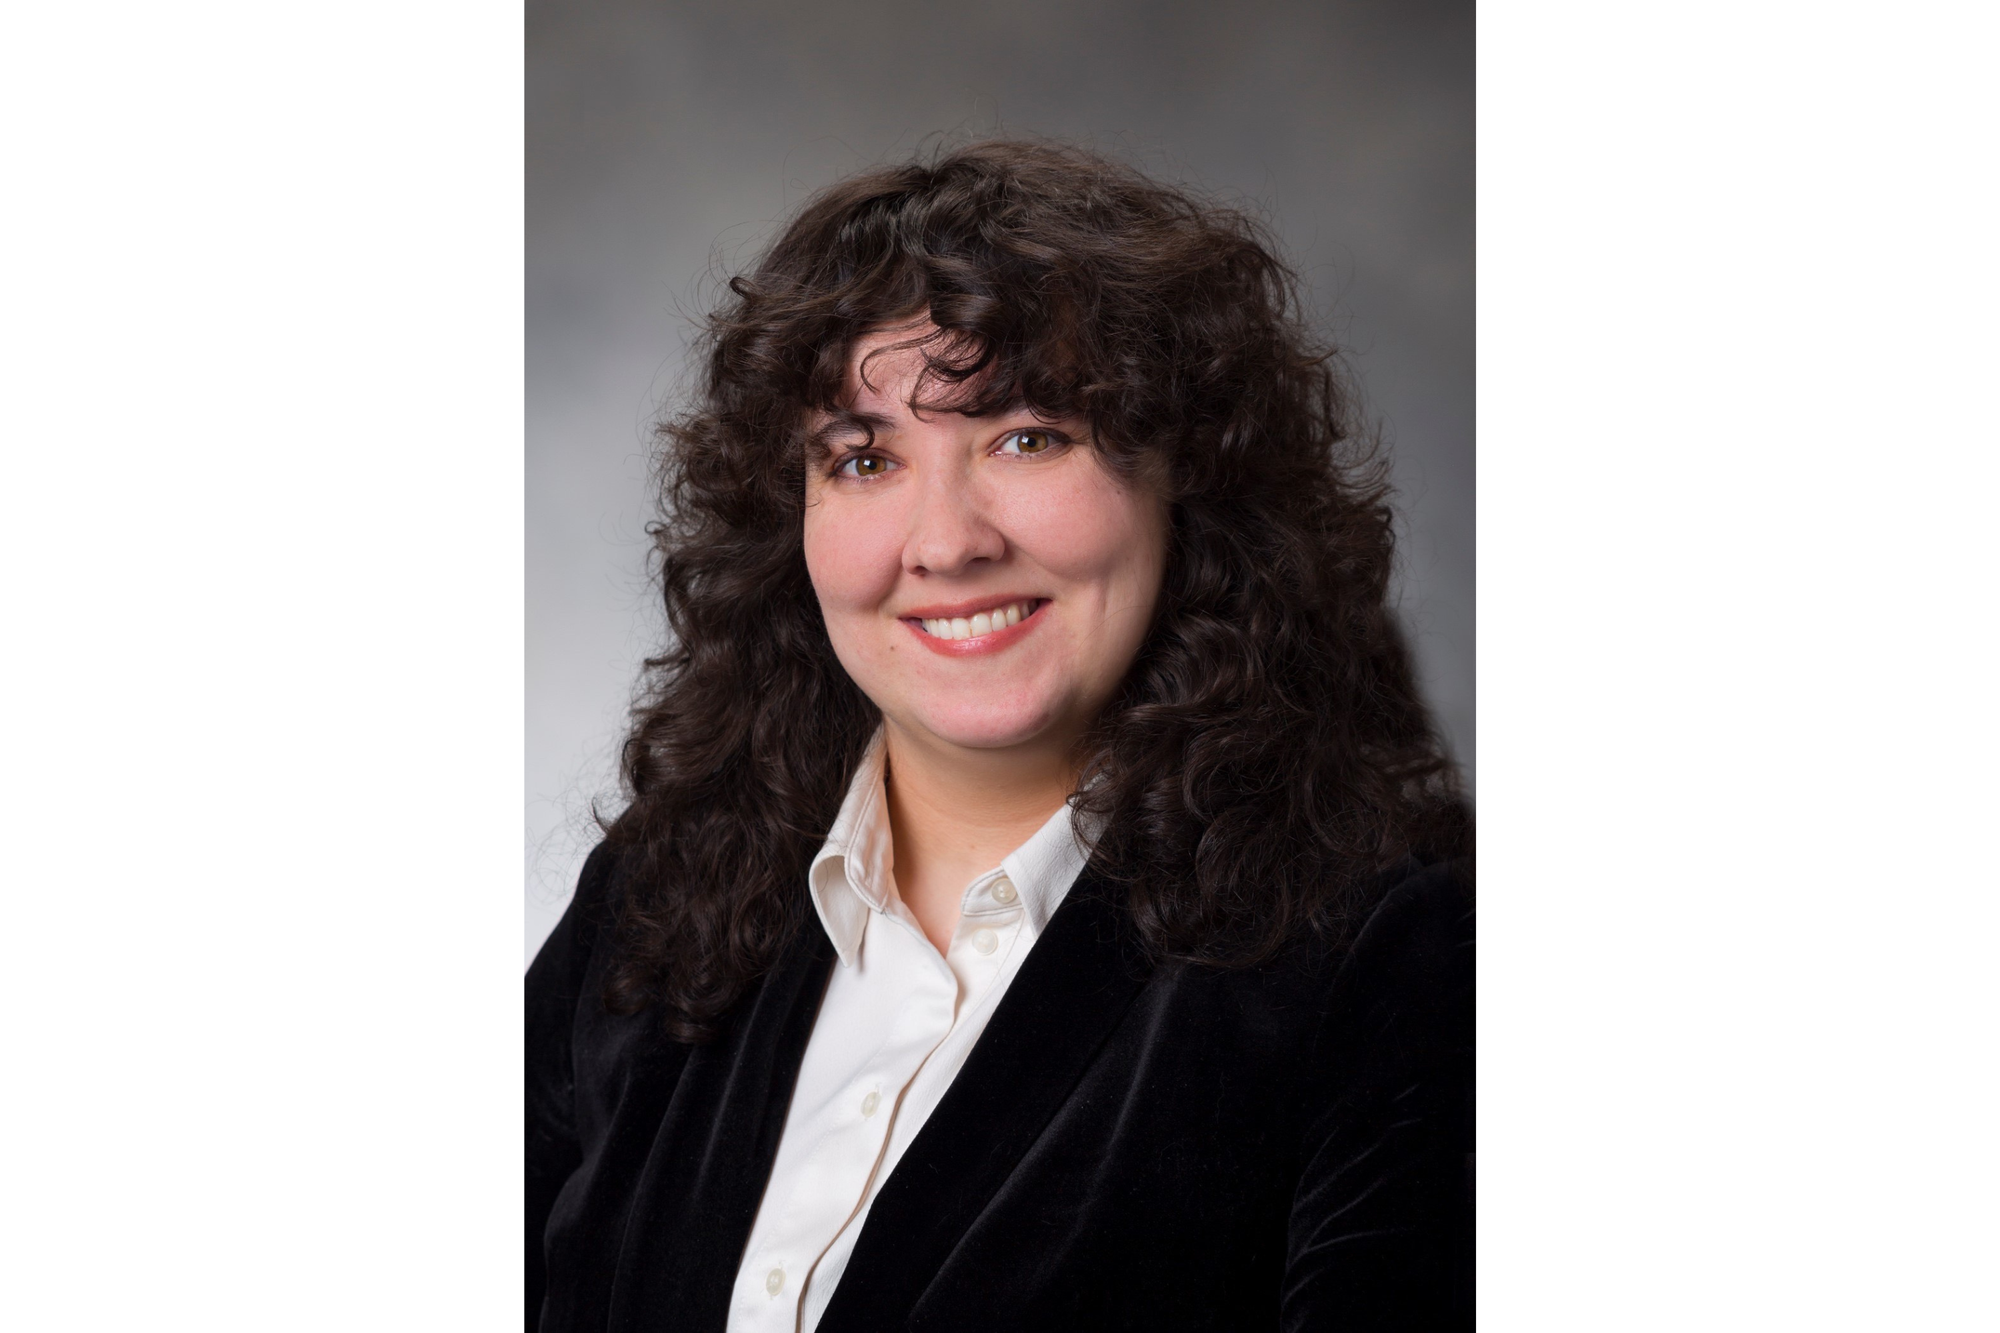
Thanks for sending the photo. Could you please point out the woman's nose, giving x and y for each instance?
(950, 530)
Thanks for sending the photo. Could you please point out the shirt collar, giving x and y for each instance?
(1043, 868)
(854, 871)
(851, 873)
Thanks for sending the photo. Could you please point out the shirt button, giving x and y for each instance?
(1003, 892)
(774, 1281)
(870, 1102)
(984, 940)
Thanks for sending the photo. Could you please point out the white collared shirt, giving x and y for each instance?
(895, 1028)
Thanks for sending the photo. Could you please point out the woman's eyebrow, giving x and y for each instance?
(857, 430)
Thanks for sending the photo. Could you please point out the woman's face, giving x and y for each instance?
(985, 580)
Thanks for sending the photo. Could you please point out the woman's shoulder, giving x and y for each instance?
(1405, 926)
(1402, 962)
(1399, 990)
(1419, 915)
(585, 923)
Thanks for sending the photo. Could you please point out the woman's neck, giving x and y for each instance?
(954, 813)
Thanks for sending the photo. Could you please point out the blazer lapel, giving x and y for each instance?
(1069, 995)
(711, 1157)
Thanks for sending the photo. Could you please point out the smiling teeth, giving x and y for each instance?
(961, 627)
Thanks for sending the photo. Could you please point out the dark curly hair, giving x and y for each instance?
(1268, 753)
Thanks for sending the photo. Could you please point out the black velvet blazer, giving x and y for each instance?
(1129, 1146)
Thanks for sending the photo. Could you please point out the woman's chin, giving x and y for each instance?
(975, 729)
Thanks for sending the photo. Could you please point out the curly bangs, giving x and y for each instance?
(1268, 754)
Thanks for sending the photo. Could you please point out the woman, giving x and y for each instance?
(1043, 900)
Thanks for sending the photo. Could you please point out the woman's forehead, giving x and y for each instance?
(888, 371)
(883, 368)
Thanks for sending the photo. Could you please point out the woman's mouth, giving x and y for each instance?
(981, 623)
(991, 628)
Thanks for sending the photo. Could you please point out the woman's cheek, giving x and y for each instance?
(852, 559)
(1090, 531)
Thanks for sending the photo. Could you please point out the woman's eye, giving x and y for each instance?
(1028, 442)
(862, 465)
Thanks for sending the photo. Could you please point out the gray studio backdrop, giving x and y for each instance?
(667, 141)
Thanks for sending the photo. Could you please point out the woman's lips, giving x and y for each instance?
(988, 630)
